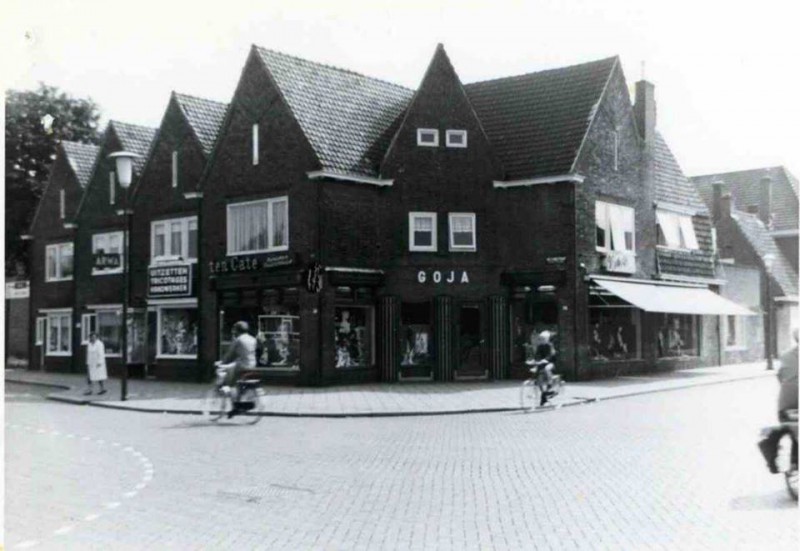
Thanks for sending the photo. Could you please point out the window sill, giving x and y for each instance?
(59, 354)
(58, 280)
(676, 249)
(260, 251)
(463, 249)
(107, 272)
(420, 250)
(176, 356)
(166, 262)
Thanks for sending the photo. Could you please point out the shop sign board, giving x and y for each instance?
(18, 289)
(104, 261)
(244, 264)
(620, 261)
(170, 281)
(443, 276)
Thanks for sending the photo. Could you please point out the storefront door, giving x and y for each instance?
(470, 342)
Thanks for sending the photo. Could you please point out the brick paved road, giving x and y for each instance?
(673, 470)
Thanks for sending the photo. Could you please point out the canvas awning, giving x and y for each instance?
(673, 299)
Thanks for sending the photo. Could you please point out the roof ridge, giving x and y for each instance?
(541, 71)
(333, 67)
(774, 167)
(190, 96)
(123, 123)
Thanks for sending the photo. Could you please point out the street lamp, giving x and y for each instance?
(769, 260)
(124, 162)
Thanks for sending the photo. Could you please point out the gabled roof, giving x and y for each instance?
(136, 139)
(672, 185)
(204, 116)
(81, 157)
(744, 188)
(347, 117)
(536, 122)
(764, 244)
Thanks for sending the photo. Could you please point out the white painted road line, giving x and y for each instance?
(63, 530)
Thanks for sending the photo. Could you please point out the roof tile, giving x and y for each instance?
(136, 139)
(763, 243)
(81, 157)
(205, 116)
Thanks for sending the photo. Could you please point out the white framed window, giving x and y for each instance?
(62, 204)
(428, 137)
(108, 326)
(88, 326)
(174, 169)
(255, 144)
(59, 334)
(112, 188)
(41, 329)
(462, 231)
(177, 332)
(614, 227)
(59, 262)
(258, 226)
(735, 333)
(173, 239)
(422, 231)
(456, 138)
(110, 243)
(676, 231)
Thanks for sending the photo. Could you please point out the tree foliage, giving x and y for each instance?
(30, 150)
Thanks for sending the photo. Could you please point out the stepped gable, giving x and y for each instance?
(81, 157)
(205, 116)
(348, 118)
(758, 236)
(536, 122)
(744, 188)
(136, 139)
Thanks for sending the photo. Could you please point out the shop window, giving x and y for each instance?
(110, 245)
(422, 231)
(177, 332)
(678, 336)
(676, 231)
(174, 240)
(258, 226)
(462, 231)
(427, 137)
(735, 333)
(353, 336)
(59, 262)
(456, 138)
(279, 337)
(59, 334)
(614, 333)
(417, 334)
(531, 315)
(615, 226)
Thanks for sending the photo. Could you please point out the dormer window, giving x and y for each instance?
(456, 138)
(174, 169)
(428, 137)
(676, 231)
(255, 144)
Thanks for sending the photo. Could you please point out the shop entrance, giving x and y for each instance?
(470, 343)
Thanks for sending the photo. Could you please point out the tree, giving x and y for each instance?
(30, 150)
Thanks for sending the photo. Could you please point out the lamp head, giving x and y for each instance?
(124, 160)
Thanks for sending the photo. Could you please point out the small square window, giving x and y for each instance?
(428, 137)
(462, 231)
(456, 138)
(422, 231)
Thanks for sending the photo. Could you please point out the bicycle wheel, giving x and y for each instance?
(253, 400)
(216, 404)
(529, 394)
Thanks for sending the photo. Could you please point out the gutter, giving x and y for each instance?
(572, 177)
(320, 174)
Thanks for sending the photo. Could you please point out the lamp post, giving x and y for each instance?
(769, 260)
(124, 166)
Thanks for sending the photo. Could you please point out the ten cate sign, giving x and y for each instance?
(240, 264)
(170, 281)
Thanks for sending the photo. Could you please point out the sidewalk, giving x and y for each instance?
(376, 400)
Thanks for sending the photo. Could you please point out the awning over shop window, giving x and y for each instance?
(673, 299)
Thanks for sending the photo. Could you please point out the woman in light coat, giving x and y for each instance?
(96, 363)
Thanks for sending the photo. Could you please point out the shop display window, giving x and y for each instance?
(137, 337)
(177, 332)
(614, 333)
(678, 336)
(277, 332)
(353, 336)
(59, 340)
(417, 334)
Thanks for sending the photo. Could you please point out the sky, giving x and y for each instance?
(726, 73)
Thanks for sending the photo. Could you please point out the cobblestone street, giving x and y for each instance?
(669, 470)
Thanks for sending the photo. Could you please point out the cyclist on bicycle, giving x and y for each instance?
(544, 354)
(240, 356)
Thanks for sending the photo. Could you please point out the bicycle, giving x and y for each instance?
(535, 392)
(246, 399)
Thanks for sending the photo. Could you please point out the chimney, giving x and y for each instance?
(765, 201)
(725, 206)
(645, 110)
(717, 188)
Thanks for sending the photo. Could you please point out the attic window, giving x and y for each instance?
(428, 137)
(255, 144)
(616, 150)
(676, 231)
(456, 138)
(174, 169)
(112, 188)
(61, 204)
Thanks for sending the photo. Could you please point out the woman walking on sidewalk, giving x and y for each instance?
(96, 363)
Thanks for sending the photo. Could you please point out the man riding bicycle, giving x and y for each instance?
(240, 356)
(543, 355)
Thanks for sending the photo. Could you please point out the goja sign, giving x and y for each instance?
(447, 276)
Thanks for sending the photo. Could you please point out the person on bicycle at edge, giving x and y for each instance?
(544, 355)
(240, 356)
